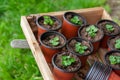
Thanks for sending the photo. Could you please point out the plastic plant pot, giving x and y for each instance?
(70, 29)
(83, 34)
(102, 24)
(114, 76)
(49, 50)
(115, 67)
(41, 25)
(99, 71)
(71, 47)
(61, 73)
(112, 43)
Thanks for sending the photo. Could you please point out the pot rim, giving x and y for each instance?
(55, 66)
(79, 35)
(44, 28)
(111, 21)
(83, 19)
(78, 39)
(109, 52)
(52, 32)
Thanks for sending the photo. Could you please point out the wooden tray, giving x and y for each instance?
(92, 15)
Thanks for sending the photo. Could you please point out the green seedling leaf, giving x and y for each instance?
(109, 27)
(80, 48)
(48, 20)
(55, 41)
(67, 60)
(76, 20)
(92, 30)
(114, 59)
(117, 44)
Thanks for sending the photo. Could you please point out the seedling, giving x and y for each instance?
(67, 60)
(117, 44)
(92, 30)
(76, 20)
(114, 59)
(80, 48)
(109, 27)
(48, 20)
(55, 41)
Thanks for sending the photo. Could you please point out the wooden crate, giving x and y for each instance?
(92, 15)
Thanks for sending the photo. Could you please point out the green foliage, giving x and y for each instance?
(55, 41)
(109, 27)
(48, 20)
(114, 59)
(19, 64)
(80, 48)
(92, 30)
(76, 20)
(67, 60)
(117, 44)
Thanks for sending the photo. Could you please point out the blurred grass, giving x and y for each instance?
(19, 64)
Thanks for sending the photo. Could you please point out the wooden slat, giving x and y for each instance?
(105, 15)
(37, 53)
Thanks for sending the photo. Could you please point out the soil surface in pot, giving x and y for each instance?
(114, 32)
(46, 41)
(75, 66)
(85, 43)
(69, 16)
(112, 42)
(86, 36)
(55, 25)
(113, 65)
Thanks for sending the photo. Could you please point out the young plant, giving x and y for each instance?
(109, 27)
(117, 44)
(48, 20)
(76, 20)
(67, 60)
(55, 41)
(92, 30)
(114, 59)
(80, 48)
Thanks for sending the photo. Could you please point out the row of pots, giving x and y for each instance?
(53, 42)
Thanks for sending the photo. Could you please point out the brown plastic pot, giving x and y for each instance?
(60, 74)
(94, 43)
(116, 70)
(83, 57)
(113, 76)
(48, 50)
(42, 29)
(103, 43)
(69, 29)
(112, 47)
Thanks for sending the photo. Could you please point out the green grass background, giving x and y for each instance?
(19, 64)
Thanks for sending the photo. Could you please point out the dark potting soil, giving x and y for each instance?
(51, 27)
(85, 43)
(112, 42)
(116, 65)
(115, 31)
(86, 36)
(46, 41)
(71, 68)
(69, 16)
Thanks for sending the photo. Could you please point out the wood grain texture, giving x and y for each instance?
(37, 53)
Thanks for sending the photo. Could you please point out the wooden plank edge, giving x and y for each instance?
(77, 11)
(37, 53)
(105, 15)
